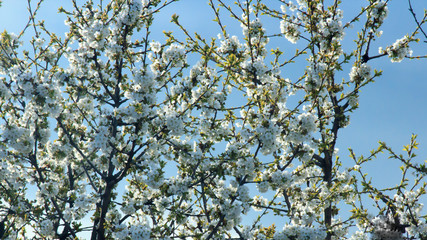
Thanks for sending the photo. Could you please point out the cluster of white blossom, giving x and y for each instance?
(292, 23)
(378, 12)
(230, 45)
(114, 50)
(46, 228)
(301, 129)
(177, 186)
(409, 208)
(331, 31)
(307, 122)
(243, 167)
(156, 47)
(142, 95)
(313, 78)
(83, 203)
(332, 26)
(136, 228)
(4, 91)
(254, 31)
(11, 41)
(399, 50)
(290, 28)
(19, 138)
(259, 203)
(359, 235)
(383, 229)
(338, 229)
(173, 121)
(130, 13)
(360, 73)
(94, 34)
(174, 55)
(255, 71)
(353, 100)
(268, 136)
(296, 231)
(101, 140)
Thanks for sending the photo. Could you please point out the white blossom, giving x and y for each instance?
(290, 30)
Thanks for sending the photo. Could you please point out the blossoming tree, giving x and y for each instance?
(107, 133)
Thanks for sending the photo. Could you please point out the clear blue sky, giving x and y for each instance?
(391, 109)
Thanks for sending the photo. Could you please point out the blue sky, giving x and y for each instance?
(391, 109)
